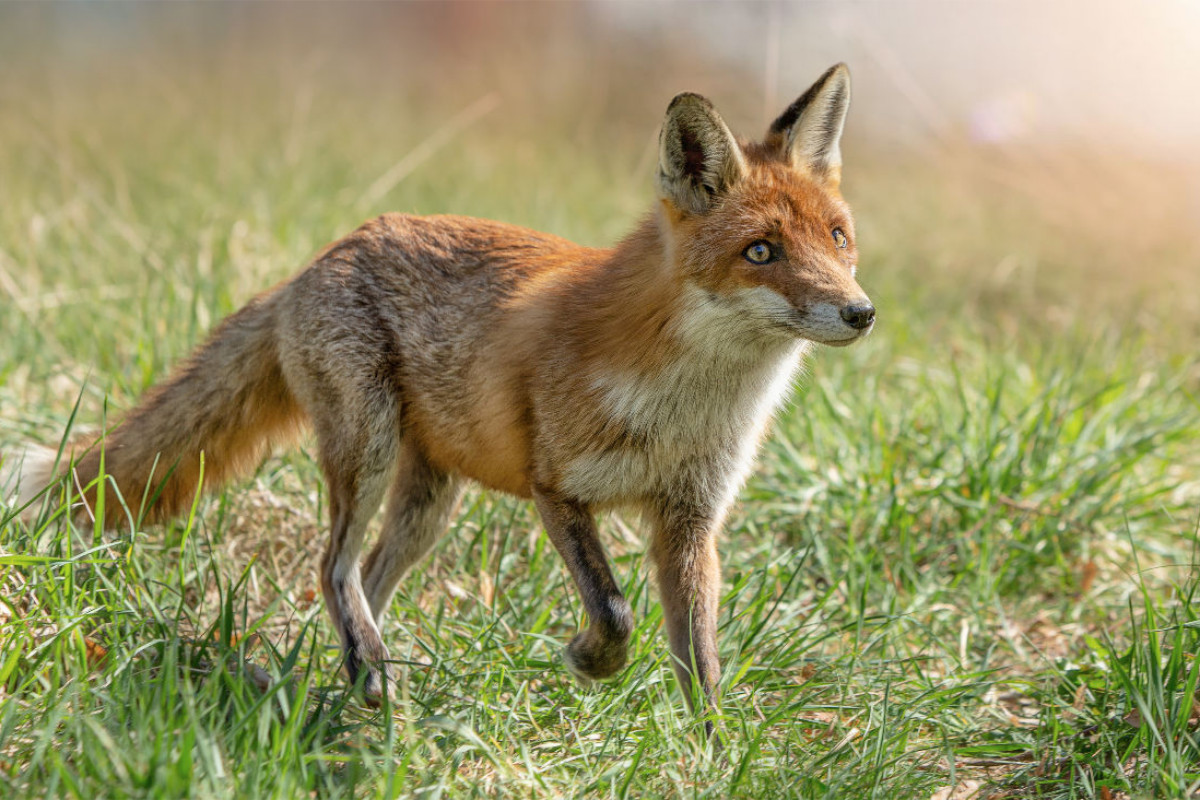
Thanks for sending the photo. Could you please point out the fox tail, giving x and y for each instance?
(224, 408)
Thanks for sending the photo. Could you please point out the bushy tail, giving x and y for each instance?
(229, 401)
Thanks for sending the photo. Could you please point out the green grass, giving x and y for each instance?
(968, 553)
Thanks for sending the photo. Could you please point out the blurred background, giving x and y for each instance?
(1029, 164)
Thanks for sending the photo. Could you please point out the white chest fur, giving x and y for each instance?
(696, 421)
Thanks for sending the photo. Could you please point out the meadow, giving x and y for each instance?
(967, 560)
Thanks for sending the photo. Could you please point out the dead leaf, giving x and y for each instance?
(826, 724)
(1088, 577)
(804, 674)
(487, 588)
(96, 652)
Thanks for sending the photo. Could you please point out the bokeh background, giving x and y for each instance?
(1007, 142)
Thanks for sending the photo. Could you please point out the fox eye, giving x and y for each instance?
(759, 252)
(840, 239)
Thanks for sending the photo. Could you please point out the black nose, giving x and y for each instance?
(859, 317)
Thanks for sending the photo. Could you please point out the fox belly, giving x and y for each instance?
(487, 442)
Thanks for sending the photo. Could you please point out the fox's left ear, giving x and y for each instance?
(810, 131)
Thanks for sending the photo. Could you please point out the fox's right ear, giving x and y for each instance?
(698, 158)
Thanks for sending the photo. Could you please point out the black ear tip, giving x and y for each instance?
(688, 99)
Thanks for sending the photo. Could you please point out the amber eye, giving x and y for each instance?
(840, 239)
(759, 252)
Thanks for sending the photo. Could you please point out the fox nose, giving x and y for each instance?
(858, 316)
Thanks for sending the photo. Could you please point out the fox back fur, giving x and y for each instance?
(427, 351)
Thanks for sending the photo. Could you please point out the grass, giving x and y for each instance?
(967, 558)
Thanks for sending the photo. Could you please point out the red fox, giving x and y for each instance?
(428, 351)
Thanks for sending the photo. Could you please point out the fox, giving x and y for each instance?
(429, 352)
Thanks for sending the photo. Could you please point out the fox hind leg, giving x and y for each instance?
(358, 455)
(419, 508)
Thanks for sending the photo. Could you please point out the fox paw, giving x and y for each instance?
(590, 660)
(375, 686)
(370, 673)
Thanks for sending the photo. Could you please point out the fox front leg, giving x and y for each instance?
(599, 651)
(684, 551)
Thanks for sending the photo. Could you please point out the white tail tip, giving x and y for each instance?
(24, 472)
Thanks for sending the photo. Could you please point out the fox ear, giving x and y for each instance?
(698, 158)
(810, 131)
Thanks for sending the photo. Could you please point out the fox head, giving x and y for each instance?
(760, 229)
